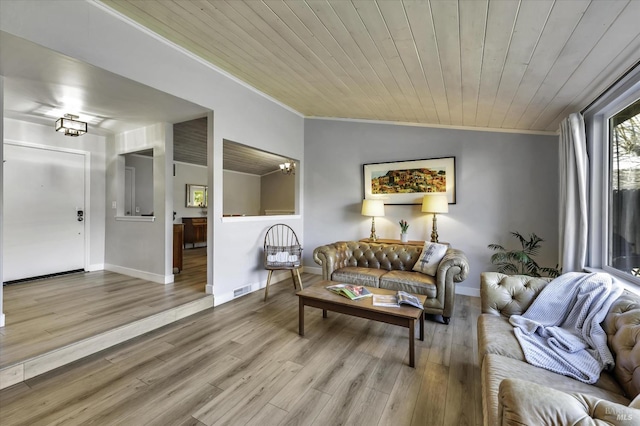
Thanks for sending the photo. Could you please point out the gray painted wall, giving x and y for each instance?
(277, 192)
(140, 249)
(504, 182)
(241, 194)
(143, 183)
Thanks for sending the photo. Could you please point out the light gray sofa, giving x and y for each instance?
(390, 266)
(517, 393)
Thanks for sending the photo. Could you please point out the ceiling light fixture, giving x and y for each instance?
(288, 167)
(71, 126)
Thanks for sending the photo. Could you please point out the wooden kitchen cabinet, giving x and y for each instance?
(195, 230)
(178, 244)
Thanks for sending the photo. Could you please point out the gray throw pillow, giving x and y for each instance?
(432, 254)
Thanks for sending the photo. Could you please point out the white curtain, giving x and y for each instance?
(573, 194)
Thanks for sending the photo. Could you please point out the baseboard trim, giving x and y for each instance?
(468, 291)
(136, 273)
(95, 267)
(316, 270)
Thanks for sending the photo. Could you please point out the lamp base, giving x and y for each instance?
(434, 230)
(373, 236)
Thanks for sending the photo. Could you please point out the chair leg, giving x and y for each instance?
(293, 278)
(266, 289)
(299, 279)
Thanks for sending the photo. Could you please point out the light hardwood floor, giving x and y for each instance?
(51, 313)
(243, 363)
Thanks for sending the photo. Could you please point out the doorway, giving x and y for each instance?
(191, 170)
(44, 211)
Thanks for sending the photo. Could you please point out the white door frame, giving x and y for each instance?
(87, 186)
(131, 188)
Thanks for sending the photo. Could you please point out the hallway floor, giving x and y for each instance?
(51, 313)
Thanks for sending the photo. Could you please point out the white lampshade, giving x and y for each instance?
(373, 208)
(435, 203)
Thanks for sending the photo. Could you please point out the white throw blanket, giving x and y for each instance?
(561, 330)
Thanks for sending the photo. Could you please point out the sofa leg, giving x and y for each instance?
(446, 320)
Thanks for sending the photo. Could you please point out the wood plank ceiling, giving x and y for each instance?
(190, 146)
(507, 64)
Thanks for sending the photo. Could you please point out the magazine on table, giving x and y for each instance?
(386, 300)
(396, 300)
(353, 292)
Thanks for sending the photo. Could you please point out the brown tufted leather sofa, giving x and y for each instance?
(517, 393)
(390, 266)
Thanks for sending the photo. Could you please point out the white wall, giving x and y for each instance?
(2, 317)
(99, 37)
(143, 166)
(22, 131)
(241, 194)
(134, 247)
(504, 182)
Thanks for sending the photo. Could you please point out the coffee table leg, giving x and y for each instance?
(422, 327)
(412, 347)
(324, 313)
(301, 317)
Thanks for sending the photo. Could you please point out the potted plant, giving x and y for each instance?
(403, 230)
(521, 261)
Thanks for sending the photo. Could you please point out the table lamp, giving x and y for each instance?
(435, 203)
(373, 208)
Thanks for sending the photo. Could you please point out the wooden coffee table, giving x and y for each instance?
(317, 296)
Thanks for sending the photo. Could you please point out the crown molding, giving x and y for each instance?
(437, 126)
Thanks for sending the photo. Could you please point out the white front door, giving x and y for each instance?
(44, 191)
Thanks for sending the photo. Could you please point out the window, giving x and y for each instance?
(254, 182)
(624, 191)
(613, 144)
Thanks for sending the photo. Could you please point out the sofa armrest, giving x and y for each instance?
(508, 295)
(453, 268)
(327, 257)
(526, 403)
(453, 264)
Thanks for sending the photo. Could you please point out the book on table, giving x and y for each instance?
(396, 300)
(353, 292)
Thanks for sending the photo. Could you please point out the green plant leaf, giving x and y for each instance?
(520, 256)
(551, 272)
(507, 268)
(499, 258)
(521, 261)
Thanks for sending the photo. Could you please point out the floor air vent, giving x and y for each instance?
(242, 290)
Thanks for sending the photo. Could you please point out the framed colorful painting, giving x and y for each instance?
(406, 182)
